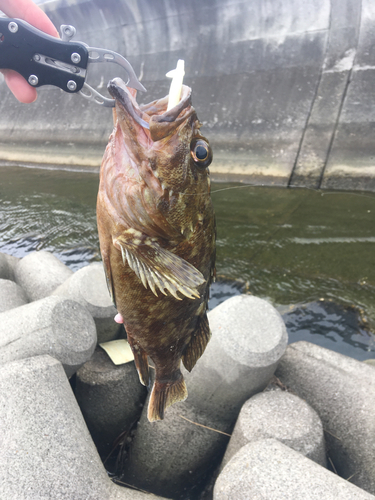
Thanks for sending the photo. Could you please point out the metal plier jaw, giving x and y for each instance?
(45, 60)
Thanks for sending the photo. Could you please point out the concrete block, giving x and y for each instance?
(11, 295)
(282, 416)
(4, 269)
(88, 287)
(7, 266)
(168, 457)
(342, 391)
(269, 470)
(12, 264)
(248, 339)
(54, 325)
(40, 273)
(111, 398)
(46, 452)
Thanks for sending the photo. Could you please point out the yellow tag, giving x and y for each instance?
(119, 351)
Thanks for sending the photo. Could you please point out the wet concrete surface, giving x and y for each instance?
(284, 89)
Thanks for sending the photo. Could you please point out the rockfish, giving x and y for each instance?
(157, 236)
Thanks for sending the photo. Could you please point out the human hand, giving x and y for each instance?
(31, 13)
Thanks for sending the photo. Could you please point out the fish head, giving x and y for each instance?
(164, 160)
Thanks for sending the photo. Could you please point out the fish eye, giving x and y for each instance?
(201, 153)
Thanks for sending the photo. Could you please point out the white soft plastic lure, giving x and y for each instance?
(177, 76)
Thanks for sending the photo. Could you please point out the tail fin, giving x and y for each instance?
(165, 394)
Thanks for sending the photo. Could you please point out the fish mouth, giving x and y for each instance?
(127, 99)
(152, 117)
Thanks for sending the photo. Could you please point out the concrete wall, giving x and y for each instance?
(285, 88)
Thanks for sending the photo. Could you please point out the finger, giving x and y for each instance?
(31, 13)
(19, 87)
(118, 318)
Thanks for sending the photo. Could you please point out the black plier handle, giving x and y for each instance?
(45, 60)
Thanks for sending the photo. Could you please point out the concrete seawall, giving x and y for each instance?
(285, 88)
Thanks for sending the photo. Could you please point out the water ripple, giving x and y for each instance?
(288, 246)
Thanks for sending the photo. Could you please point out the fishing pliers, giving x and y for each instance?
(45, 60)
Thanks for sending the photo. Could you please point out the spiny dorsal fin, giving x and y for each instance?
(157, 267)
(197, 344)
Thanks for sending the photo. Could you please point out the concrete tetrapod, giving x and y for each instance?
(269, 470)
(11, 295)
(46, 452)
(7, 266)
(54, 325)
(4, 268)
(248, 339)
(88, 287)
(283, 416)
(342, 391)
(40, 273)
(110, 397)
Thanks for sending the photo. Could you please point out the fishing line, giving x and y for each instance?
(322, 192)
(219, 190)
(236, 187)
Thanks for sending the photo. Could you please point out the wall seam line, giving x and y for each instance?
(289, 185)
(344, 94)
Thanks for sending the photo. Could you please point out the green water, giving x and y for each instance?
(298, 245)
(289, 246)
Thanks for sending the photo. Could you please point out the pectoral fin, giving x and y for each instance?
(157, 267)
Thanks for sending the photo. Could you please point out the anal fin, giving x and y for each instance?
(197, 344)
(165, 394)
(141, 361)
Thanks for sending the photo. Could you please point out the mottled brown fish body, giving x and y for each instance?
(157, 236)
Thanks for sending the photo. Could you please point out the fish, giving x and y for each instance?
(157, 236)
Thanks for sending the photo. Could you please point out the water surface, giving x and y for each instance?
(311, 253)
